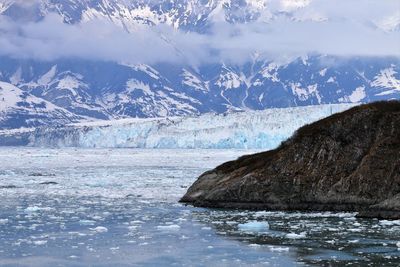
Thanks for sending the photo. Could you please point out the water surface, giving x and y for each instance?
(118, 207)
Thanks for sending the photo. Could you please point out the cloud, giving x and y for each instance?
(341, 28)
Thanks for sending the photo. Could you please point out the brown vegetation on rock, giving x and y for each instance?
(349, 161)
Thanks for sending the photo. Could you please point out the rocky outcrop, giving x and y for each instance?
(349, 162)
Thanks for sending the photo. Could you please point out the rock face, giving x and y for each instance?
(347, 162)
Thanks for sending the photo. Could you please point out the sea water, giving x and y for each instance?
(119, 207)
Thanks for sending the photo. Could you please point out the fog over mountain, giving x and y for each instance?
(230, 31)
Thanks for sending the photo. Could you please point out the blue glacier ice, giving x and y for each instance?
(240, 130)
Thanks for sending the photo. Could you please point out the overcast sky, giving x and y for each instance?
(339, 27)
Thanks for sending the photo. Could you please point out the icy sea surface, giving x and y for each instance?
(118, 207)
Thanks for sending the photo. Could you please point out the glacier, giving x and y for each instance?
(239, 130)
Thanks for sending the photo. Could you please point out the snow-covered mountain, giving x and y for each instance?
(107, 89)
(253, 129)
(21, 109)
(190, 15)
(193, 15)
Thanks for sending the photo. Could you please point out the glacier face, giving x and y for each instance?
(241, 130)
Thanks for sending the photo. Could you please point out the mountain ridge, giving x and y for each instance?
(106, 89)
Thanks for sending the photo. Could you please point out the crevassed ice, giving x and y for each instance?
(244, 130)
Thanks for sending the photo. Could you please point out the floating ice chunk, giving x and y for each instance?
(32, 209)
(99, 229)
(389, 223)
(3, 221)
(332, 229)
(133, 227)
(40, 242)
(398, 244)
(172, 227)
(262, 213)
(136, 222)
(296, 236)
(354, 230)
(77, 233)
(351, 215)
(278, 249)
(254, 226)
(86, 222)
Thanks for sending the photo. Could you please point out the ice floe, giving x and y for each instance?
(172, 227)
(296, 236)
(253, 226)
(99, 229)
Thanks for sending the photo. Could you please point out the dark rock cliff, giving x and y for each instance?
(349, 162)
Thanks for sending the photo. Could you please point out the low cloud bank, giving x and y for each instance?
(341, 28)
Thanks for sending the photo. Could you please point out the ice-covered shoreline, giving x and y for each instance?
(264, 129)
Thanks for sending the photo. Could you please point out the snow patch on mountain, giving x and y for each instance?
(133, 84)
(189, 79)
(229, 80)
(9, 96)
(356, 96)
(46, 78)
(21, 109)
(70, 83)
(271, 72)
(323, 72)
(13, 97)
(386, 79)
(148, 70)
(304, 93)
(17, 76)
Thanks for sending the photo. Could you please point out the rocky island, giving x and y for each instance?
(349, 161)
